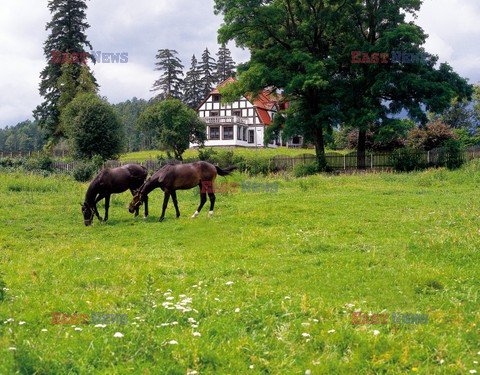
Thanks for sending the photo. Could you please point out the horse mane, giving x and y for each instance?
(92, 191)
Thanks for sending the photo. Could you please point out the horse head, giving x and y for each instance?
(137, 201)
(88, 214)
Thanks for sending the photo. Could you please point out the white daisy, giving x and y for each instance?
(118, 335)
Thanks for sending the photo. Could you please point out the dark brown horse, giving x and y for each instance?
(175, 177)
(112, 181)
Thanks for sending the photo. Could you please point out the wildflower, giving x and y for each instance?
(237, 310)
(192, 372)
(21, 323)
(169, 298)
(250, 367)
(305, 334)
(331, 331)
(308, 372)
(44, 330)
(473, 371)
(217, 299)
(78, 329)
(197, 334)
(118, 335)
(376, 332)
(191, 320)
(100, 326)
(229, 283)
(12, 348)
(287, 297)
(305, 324)
(172, 342)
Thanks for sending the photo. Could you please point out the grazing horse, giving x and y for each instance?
(112, 181)
(175, 177)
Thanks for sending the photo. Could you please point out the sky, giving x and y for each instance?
(142, 27)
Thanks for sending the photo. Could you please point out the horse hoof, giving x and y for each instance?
(145, 217)
(161, 219)
(210, 213)
(195, 215)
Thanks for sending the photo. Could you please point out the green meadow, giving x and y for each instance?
(267, 285)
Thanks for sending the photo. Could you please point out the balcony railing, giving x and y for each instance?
(225, 120)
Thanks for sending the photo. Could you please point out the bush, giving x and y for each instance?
(451, 154)
(44, 163)
(302, 170)
(434, 135)
(407, 160)
(84, 171)
(207, 154)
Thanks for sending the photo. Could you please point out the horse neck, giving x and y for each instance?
(148, 186)
(91, 193)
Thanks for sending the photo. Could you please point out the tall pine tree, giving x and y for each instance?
(207, 69)
(67, 35)
(170, 83)
(193, 85)
(225, 64)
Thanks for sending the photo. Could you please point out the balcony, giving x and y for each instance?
(225, 120)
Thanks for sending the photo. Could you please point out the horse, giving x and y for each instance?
(175, 177)
(112, 181)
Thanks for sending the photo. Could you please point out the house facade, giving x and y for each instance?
(241, 123)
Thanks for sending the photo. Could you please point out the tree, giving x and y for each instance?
(293, 46)
(193, 91)
(374, 92)
(225, 64)
(433, 135)
(170, 83)
(207, 70)
(93, 128)
(174, 126)
(67, 35)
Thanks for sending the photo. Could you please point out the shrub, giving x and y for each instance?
(451, 154)
(44, 163)
(434, 135)
(302, 170)
(84, 171)
(207, 154)
(407, 160)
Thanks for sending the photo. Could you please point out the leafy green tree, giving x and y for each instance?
(459, 115)
(293, 46)
(207, 70)
(170, 83)
(129, 112)
(193, 85)
(67, 35)
(375, 92)
(25, 136)
(225, 64)
(174, 125)
(93, 128)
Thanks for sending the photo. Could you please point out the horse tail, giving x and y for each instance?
(225, 172)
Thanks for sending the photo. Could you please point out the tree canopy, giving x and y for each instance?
(93, 128)
(174, 126)
(67, 35)
(170, 83)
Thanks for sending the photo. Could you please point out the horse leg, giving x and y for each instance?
(175, 203)
(146, 206)
(203, 200)
(107, 206)
(137, 210)
(211, 196)
(165, 203)
(99, 198)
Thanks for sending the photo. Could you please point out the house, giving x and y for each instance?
(241, 123)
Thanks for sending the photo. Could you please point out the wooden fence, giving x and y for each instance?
(335, 161)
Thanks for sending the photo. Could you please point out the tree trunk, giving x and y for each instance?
(320, 148)
(361, 147)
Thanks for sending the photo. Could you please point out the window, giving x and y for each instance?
(214, 114)
(237, 113)
(216, 98)
(296, 140)
(245, 134)
(214, 133)
(239, 133)
(228, 132)
(251, 136)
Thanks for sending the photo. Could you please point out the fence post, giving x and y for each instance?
(344, 162)
(371, 161)
(428, 157)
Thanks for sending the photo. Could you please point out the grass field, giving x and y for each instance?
(246, 152)
(266, 286)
